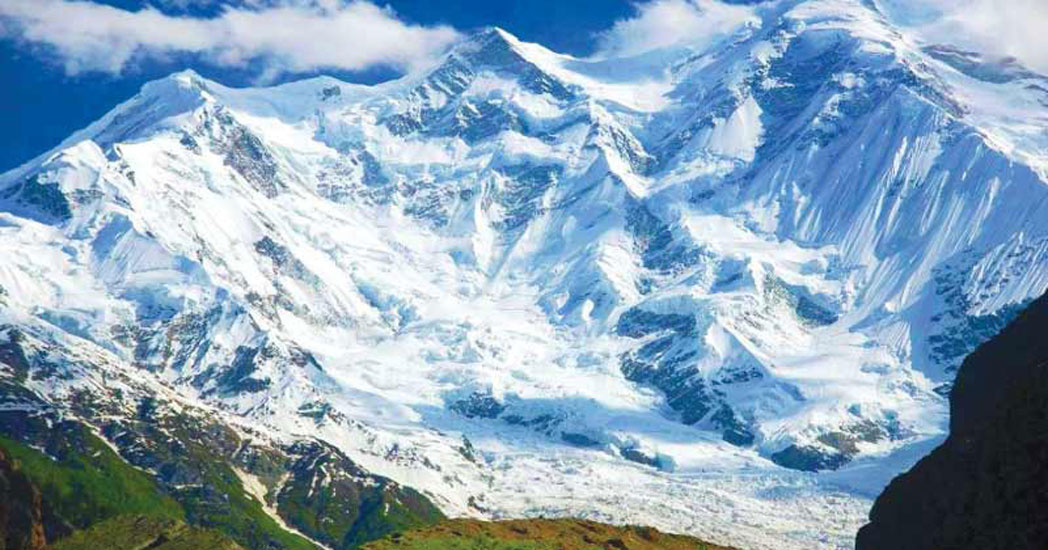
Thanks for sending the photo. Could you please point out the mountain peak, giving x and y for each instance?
(157, 100)
(493, 46)
(496, 32)
(493, 50)
(183, 86)
(658, 272)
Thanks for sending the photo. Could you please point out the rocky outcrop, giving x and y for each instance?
(26, 521)
(986, 487)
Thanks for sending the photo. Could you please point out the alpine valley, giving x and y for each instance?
(721, 288)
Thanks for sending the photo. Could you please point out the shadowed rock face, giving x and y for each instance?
(26, 521)
(986, 487)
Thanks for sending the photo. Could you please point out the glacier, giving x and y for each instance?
(719, 288)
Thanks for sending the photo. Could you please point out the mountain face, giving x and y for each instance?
(187, 466)
(663, 289)
(987, 485)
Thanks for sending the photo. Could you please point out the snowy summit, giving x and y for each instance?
(718, 287)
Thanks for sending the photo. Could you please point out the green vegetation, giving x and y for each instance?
(536, 534)
(216, 497)
(198, 500)
(136, 532)
(222, 503)
(464, 543)
(327, 502)
(389, 514)
(194, 477)
(113, 505)
(87, 482)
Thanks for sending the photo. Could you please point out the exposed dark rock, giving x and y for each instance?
(639, 456)
(956, 331)
(244, 153)
(809, 458)
(22, 510)
(478, 405)
(372, 176)
(664, 364)
(475, 121)
(330, 92)
(637, 323)
(660, 251)
(284, 262)
(834, 449)
(238, 377)
(986, 486)
(334, 501)
(686, 393)
(542, 422)
(735, 432)
(468, 451)
(44, 197)
(579, 440)
(317, 410)
(520, 194)
(12, 355)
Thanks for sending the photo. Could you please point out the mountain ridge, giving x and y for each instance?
(517, 261)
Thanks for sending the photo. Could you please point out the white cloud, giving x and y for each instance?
(183, 4)
(300, 36)
(1012, 28)
(663, 23)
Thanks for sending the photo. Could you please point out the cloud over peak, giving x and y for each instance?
(664, 23)
(288, 37)
(1003, 28)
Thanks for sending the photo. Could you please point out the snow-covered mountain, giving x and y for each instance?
(662, 289)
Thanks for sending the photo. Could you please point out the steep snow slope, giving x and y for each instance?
(659, 289)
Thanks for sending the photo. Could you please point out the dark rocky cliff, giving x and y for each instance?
(986, 487)
(26, 520)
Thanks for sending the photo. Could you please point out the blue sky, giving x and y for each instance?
(42, 101)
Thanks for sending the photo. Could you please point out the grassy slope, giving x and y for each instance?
(87, 487)
(342, 512)
(236, 513)
(89, 483)
(136, 532)
(536, 534)
(91, 486)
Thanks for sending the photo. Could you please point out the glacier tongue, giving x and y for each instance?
(664, 290)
